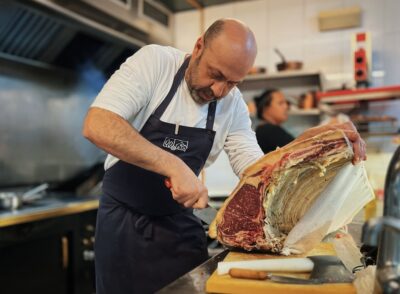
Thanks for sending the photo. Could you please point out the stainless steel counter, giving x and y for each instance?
(53, 205)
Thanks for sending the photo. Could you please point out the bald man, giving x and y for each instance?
(166, 114)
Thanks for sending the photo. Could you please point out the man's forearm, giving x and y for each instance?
(116, 136)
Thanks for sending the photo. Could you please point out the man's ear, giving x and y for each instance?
(198, 47)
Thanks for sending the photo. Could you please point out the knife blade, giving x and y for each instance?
(206, 214)
(291, 280)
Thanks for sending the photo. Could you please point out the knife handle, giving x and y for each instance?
(167, 183)
(248, 274)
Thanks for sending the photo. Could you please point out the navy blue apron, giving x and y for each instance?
(144, 238)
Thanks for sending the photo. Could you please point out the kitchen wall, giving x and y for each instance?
(292, 26)
(41, 117)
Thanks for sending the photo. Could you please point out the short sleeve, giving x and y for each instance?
(131, 87)
(241, 144)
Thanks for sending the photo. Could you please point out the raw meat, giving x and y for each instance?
(276, 191)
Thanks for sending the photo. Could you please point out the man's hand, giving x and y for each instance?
(187, 189)
(359, 146)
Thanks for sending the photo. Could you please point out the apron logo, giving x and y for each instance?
(175, 144)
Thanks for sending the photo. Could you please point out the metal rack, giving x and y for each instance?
(283, 80)
(305, 112)
(358, 95)
(361, 99)
(291, 79)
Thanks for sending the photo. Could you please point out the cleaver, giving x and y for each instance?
(207, 214)
(326, 269)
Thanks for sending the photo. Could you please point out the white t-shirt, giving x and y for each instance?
(136, 89)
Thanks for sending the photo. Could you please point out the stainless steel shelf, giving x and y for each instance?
(379, 134)
(313, 111)
(282, 80)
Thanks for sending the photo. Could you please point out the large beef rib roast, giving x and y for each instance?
(277, 190)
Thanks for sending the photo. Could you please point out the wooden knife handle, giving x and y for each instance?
(248, 274)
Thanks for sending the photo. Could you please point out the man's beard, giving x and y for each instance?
(197, 92)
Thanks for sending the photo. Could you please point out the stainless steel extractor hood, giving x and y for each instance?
(65, 33)
(54, 58)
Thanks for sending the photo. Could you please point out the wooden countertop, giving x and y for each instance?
(48, 207)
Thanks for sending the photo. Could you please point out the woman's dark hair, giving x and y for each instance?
(264, 100)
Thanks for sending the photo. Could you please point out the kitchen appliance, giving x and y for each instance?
(287, 65)
(361, 47)
(53, 62)
(385, 232)
(137, 13)
(79, 34)
(14, 200)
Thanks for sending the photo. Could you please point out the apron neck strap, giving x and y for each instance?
(177, 80)
(175, 84)
(211, 115)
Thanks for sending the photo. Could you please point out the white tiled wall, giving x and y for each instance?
(292, 26)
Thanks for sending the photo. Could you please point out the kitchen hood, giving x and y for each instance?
(55, 56)
(69, 34)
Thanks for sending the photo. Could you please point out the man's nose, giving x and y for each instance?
(218, 89)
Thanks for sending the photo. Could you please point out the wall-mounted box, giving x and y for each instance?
(343, 18)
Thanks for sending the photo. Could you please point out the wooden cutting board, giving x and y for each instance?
(225, 284)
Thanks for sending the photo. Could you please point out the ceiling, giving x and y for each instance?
(184, 5)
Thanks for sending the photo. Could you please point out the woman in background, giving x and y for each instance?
(272, 109)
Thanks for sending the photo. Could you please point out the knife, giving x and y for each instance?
(325, 269)
(263, 275)
(206, 214)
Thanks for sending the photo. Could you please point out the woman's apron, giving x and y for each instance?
(144, 238)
